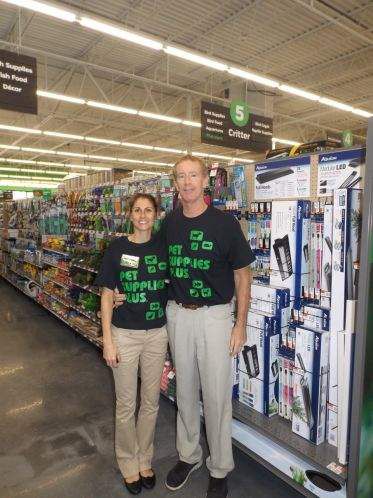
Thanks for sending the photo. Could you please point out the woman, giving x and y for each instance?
(134, 335)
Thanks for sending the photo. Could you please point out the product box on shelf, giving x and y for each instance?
(314, 317)
(235, 376)
(258, 365)
(310, 384)
(275, 301)
(345, 264)
(290, 247)
(286, 387)
(327, 250)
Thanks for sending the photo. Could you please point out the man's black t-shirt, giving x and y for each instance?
(203, 253)
(139, 271)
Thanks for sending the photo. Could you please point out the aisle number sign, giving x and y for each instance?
(18, 83)
(235, 126)
(239, 112)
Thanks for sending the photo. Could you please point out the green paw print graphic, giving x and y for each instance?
(197, 284)
(196, 238)
(155, 311)
(151, 263)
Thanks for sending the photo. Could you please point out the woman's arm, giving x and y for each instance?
(110, 351)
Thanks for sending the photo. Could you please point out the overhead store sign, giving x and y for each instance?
(235, 127)
(18, 83)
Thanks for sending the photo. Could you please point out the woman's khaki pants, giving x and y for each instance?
(134, 440)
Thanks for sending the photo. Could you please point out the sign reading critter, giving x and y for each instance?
(235, 127)
(18, 82)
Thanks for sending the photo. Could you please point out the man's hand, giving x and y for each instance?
(118, 298)
(111, 355)
(238, 339)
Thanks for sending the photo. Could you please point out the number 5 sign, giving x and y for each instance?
(239, 112)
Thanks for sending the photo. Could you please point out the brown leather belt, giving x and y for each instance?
(191, 306)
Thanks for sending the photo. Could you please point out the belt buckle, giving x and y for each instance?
(191, 306)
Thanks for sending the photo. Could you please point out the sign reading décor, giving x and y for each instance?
(18, 83)
(235, 127)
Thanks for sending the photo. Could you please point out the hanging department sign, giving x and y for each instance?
(18, 83)
(235, 127)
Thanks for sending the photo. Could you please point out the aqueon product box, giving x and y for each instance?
(235, 376)
(289, 254)
(345, 263)
(275, 301)
(258, 365)
(314, 317)
(310, 384)
(327, 250)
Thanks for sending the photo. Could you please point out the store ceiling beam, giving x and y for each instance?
(334, 20)
(302, 36)
(112, 71)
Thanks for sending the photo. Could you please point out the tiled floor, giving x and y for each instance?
(57, 418)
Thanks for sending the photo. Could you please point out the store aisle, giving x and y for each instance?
(56, 421)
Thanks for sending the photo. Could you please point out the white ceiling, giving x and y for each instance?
(321, 46)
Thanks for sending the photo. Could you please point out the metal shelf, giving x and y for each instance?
(66, 254)
(279, 430)
(87, 288)
(92, 270)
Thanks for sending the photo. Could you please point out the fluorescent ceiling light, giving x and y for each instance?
(361, 112)
(102, 141)
(284, 141)
(143, 172)
(53, 164)
(123, 160)
(18, 161)
(336, 104)
(124, 34)
(33, 149)
(111, 107)
(19, 183)
(20, 129)
(12, 147)
(60, 96)
(102, 158)
(137, 146)
(193, 57)
(247, 75)
(63, 135)
(69, 154)
(156, 163)
(171, 151)
(44, 8)
(196, 124)
(29, 170)
(160, 117)
(28, 177)
(300, 93)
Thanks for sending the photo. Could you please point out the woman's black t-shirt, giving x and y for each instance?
(139, 271)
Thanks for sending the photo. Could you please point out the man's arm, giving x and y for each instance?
(242, 280)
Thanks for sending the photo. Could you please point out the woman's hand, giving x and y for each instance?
(118, 298)
(111, 355)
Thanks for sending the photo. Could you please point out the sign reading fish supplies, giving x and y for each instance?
(286, 179)
(339, 170)
(235, 127)
(18, 83)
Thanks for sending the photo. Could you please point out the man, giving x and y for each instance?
(208, 260)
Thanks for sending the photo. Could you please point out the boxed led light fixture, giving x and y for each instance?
(310, 384)
(258, 366)
(289, 247)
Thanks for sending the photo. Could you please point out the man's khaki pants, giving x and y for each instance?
(199, 341)
(134, 441)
